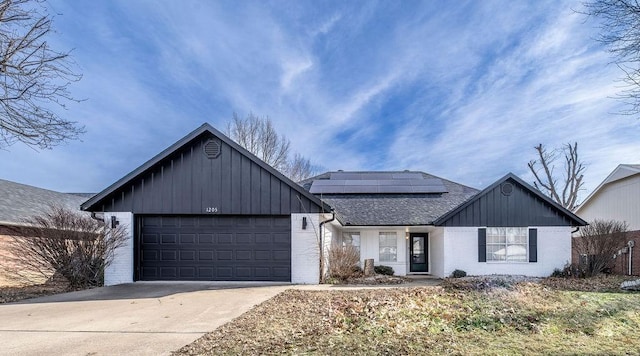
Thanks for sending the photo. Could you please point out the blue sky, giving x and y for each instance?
(459, 89)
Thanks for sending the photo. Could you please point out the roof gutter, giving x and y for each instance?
(321, 241)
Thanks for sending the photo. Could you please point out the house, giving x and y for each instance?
(207, 209)
(618, 198)
(20, 201)
(418, 223)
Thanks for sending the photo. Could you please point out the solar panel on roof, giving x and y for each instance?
(374, 175)
(379, 186)
(407, 175)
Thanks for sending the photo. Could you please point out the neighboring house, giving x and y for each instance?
(207, 209)
(20, 201)
(618, 198)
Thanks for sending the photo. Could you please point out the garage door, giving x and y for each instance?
(215, 248)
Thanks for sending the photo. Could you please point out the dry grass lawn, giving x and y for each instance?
(462, 317)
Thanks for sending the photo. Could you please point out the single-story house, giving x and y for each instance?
(618, 198)
(207, 209)
(19, 202)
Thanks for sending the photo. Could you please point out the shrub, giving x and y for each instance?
(385, 270)
(458, 273)
(64, 243)
(570, 270)
(597, 243)
(557, 272)
(344, 262)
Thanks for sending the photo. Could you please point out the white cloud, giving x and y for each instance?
(463, 91)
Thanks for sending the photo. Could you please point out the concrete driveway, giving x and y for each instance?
(136, 319)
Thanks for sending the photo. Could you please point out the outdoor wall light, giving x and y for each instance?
(304, 223)
(114, 222)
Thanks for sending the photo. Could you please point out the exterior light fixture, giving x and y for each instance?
(114, 222)
(304, 223)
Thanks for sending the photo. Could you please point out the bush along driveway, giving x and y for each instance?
(465, 316)
(133, 319)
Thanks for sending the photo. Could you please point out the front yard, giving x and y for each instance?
(465, 316)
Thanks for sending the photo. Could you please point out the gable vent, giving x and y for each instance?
(506, 189)
(212, 149)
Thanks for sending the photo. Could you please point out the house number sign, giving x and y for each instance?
(211, 209)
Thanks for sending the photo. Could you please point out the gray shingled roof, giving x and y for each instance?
(20, 201)
(394, 209)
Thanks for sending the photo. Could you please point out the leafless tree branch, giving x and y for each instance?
(620, 32)
(33, 76)
(566, 192)
(598, 243)
(258, 136)
(74, 246)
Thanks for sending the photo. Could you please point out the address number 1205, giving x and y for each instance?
(211, 209)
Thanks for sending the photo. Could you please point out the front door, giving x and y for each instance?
(418, 251)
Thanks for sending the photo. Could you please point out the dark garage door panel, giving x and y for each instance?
(215, 248)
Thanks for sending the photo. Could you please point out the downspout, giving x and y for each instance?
(576, 230)
(630, 244)
(333, 217)
(94, 216)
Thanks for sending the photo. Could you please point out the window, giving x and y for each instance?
(351, 239)
(508, 244)
(388, 247)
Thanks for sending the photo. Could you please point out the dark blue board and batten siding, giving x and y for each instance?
(188, 182)
(521, 207)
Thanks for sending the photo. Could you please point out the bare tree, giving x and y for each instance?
(299, 168)
(63, 242)
(564, 189)
(32, 77)
(620, 32)
(258, 136)
(598, 243)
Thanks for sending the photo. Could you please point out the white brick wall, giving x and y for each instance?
(305, 255)
(461, 252)
(436, 251)
(370, 243)
(121, 269)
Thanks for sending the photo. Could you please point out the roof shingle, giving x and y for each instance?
(21, 201)
(394, 209)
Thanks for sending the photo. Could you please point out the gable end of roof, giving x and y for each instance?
(506, 212)
(94, 203)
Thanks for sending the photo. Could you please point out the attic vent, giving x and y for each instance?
(212, 149)
(506, 189)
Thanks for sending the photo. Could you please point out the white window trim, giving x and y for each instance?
(395, 233)
(527, 228)
(359, 246)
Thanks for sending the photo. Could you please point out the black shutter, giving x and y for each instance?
(533, 245)
(482, 245)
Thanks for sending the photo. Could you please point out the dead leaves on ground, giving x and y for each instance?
(455, 318)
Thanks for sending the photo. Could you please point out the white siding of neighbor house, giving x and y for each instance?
(121, 269)
(436, 251)
(305, 254)
(618, 200)
(461, 252)
(369, 247)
